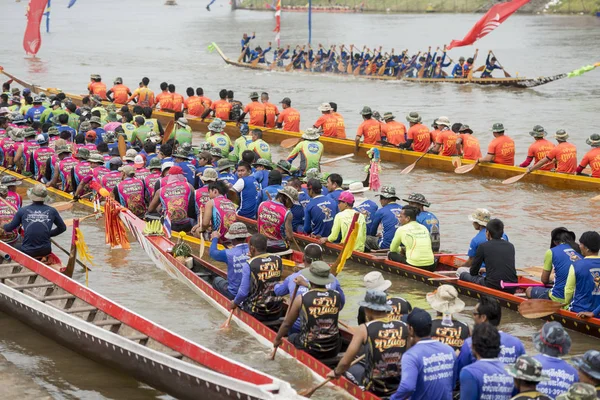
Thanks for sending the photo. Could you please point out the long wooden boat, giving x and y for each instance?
(505, 82)
(389, 154)
(83, 320)
(569, 319)
(158, 247)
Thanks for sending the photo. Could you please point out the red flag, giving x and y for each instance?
(490, 21)
(32, 39)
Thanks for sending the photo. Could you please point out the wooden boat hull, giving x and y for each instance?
(505, 82)
(157, 249)
(589, 326)
(98, 328)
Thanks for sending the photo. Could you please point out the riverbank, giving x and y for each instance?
(15, 384)
(578, 7)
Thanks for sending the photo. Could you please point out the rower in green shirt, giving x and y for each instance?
(54, 110)
(183, 134)
(416, 240)
(140, 132)
(217, 138)
(241, 144)
(309, 149)
(259, 146)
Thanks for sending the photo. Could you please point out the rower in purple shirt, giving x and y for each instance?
(235, 258)
(428, 366)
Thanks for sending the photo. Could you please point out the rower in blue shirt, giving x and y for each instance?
(480, 219)
(235, 258)
(261, 172)
(274, 185)
(426, 218)
(245, 42)
(248, 189)
(427, 367)
(181, 158)
(298, 209)
(458, 70)
(438, 65)
(363, 205)
(334, 186)
(224, 167)
(319, 212)
(387, 217)
(582, 290)
(490, 66)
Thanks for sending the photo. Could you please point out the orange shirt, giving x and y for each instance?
(447, 139)
(290, 118)
(420, 136)
(272, 111)
(540, 149)
(144, 96)
(394, 132)
(120, 93)
(165, 101)
(434, 135)
(371, 130)
(503, 149)
(565, 155)
(206, 101)
(99, 89)
(257, 113)
(194, 106)
(177, 100)
(221, 109)
(592, 158)
(341, 126)
(470, 147)
(328, 123)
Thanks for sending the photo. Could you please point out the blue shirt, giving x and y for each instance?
(562, 375)
(227, 178)
(427, 372)
(303, 197)
(288, 286)
(368, 209)
(272, 190)
(563, 256)
(297, 218)
(486, 379)
(428, 220)
(587, 290)
(510, 349)
(477, 240)
(249, 197)
(235, 258)
(262, 177)
(335, 195)
(188, 171)
(387, 216)
(34, 113)
(99, 135)
(37, 221)
(72, 131)
(319, 215)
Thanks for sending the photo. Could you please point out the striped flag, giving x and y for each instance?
(167, 225)
(277, 29)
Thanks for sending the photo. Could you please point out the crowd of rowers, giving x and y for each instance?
(351, 60)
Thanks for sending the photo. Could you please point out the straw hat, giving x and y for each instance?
(481, 216)
(443, 121)
(445, 300)
(374, 281)
(209, 175)
(561, 134)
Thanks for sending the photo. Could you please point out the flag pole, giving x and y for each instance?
(309, 21)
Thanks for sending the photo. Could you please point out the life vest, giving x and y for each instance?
(128, 129)
(7, 147)
(40, 157)
(14, 199)
(152, 123)
(202, 198)
(64, 169)
(174, 198)
(271, 219)
(223, 214)
(131, 195)
(81, 170)
(319, 312)
(6, 215)
(28, 149)
(142, 173)
(110, 180)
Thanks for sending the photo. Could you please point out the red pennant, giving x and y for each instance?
(32, 40)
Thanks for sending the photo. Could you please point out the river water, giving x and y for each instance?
(136, 38)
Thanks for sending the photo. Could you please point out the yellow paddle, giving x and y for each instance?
(168, 131)
(538, 308)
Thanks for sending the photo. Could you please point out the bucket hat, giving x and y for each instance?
(375, 300)
(561, 134)
(311, 134)
(264, 163)
(318, 273)
(559, 231)
(538, 132)
(96, 158)
(154, 164)
(413, 117)
(62, 149)
(589, 363)
(237, 230)
(29, 132)
(83, 153)
(284, 165)
(481, 216)
(465, 129)
(579, 391)
(324, 107)
(443, 121)
(209, 175)
(527, 368)
(128, 170)
(313, 173)
(223, 165)
(374, 281)
(290, 193)
(85, 126)
(181, 153)
(3, 190)
(130, 155)
(166, 165)
(53, 131)
(593, 140)
(217, 125)
(95, 120)
(357, 187)
(215, 152)
(445, 300)
(498, 127)
(9, 180)
(417, 198)
(388, 192)
(388, 115)
(552, 340)
(38, 192)
(366, 111)
(182, 122)
(253, 95)
(118, 80)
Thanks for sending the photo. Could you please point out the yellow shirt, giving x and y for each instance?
(342, 222)
(417, 241)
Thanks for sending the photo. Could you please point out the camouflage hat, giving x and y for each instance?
(128, 170)
(16, 134)
(465, 129)
(16, 118)
(290, 193)
(388, 192)
(216, 152)
(96, 158)
(375, 300)
(217, 125)
(182, 122)
(38, 192)
(413, 117)
(83, 153)
(130, 155)
(311, 134)
(313, 173)
(154, 163)
(15, 90)
(593, 140)
(9, 180)
(112, 116)
(53, 131)
(29, 132)
(498, 127)
(111, 108)
(552, 340)
(237, 230)
(253, 95)
(417, 198)
(181, 153)
(589, 363)
(527, 368)
(109, 137)
(85, 126)
(209, 175)
(481, 216)
(538, 132)
(388, 115)
(3, 190)
(366, 110)
(263, 163)
(561, 134)
(62, 149)
(224, 164)
(95, 120)
(579, 391)
(205, 146)
(284, 165)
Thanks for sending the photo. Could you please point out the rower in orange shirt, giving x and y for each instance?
(143, 95)
(392, 131)
(220, 108)
(164, 100)
(206, 102)
(121, 92)
(327, 122)
(502, 149)
(592, 157)
(539, 149)
(176, 99)
(271, 110)
(418, 137)
(435, 132)
(289, 118)
(370, 128)
(467, 144)
(256, 111)
(193, 104)
(445, 143)
(341, 126)
(564, 155)
(96, 87)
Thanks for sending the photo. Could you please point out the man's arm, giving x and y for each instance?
(477, 261)
(410, 374)
(15, 223)
(356, 345)
(289, 230)
(545, 278)
(215, 253)
(307, 224)
(290, 318)
(336, 229)
(537, 165)
(244, 289)
(60, 225)
(469, 389)
(155, 202)
(569, 286)
(207, 215)
(396, 242)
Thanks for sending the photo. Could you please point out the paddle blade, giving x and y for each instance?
(456, 161)
(349, 68)
(332, 160)
(62, 205)
(465, 168)
(255, 62)
(513, 179)
(596, 198)
(538, 308)
(289, 67)
(168, 131)
(122, 146)
(407, 170)
(289, 143)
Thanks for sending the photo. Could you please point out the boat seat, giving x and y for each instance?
(106, 322)
(18, 275)
(136, 337)
(32, 286)
(80, 309)
(65, 296)
(203, 274)
(10, 265)
(173, 353)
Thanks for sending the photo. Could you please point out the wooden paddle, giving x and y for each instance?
(529, 284)
(63, 205)
(308, 393)
(227, 322)
(69, 222)
(289, 143)
(331, 160)
(514, 179)
(465, 168)
(538, 308)
(168, 131)
(85, 267)
(506, 74)
(254, 63)
(412, 166)
(595, 198)
(292, 298)
(293, 60)
(241, 57)
(122, 146)
(445, 278)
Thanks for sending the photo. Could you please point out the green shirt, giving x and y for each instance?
(183, 136)
(220, 141)
(103, 113)
(341, 224)
(25, 108)
(73, 121)
(140, 134)
(261, 148)
(310, 152)
(417, 241)
(128, 128)
(240, 145)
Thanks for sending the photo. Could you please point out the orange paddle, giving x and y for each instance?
(596, 198)
(122, 146)
(412, 166)
(289, 143)
(538, 308)
(168, 131)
